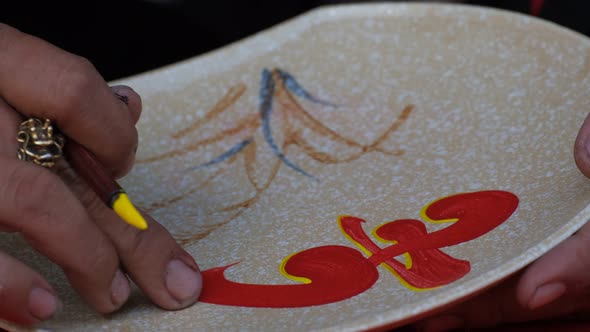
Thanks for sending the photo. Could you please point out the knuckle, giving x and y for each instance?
(27, 190)
(9, 35)
(142, 242)
(5, 29)
(102, 257)
(77, 79)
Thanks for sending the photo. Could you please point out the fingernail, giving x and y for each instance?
(117, 91)
(183, 283)
(43, 304)
(546, 294)
(187, 259)
(120, 289)
(440, 324)
(122, 98)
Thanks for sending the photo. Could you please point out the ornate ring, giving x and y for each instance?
(39, 142)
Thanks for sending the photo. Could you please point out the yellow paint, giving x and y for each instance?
(360, 246)
(125, 209)
(408, 258)
(428, 219)
(290, 276)
(407, 262)
(404, 282)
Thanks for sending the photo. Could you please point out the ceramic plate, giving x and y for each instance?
(356, 167)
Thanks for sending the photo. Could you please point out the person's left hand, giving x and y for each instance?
(556, 285)
(56, 212)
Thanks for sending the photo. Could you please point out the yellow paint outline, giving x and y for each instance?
(408, 264)
(407, 258)
(425, 217)
(366, 251)
(290, 276)
(387, 267)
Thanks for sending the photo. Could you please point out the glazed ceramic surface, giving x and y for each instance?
(310, 154)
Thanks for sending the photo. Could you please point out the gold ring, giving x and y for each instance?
(39, 142)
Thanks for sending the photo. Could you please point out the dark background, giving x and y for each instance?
(131, 36)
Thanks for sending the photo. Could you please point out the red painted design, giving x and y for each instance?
(337, 272)
(429, 268)
(476, 214)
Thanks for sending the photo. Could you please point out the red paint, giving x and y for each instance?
(430, 268)
(477, 214)
(338, 272)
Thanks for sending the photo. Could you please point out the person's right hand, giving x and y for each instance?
(55, 211)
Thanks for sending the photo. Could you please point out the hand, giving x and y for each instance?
(556, 285)
(56, 212)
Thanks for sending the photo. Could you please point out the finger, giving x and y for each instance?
(25, 297)
(563, 271)
(10, 120)
(38, 204)
(158, 265)
(40, 195)
(500, 305)
(582, 147)
(39, 79)
(165, 272)
(130, 98)
(8, 117)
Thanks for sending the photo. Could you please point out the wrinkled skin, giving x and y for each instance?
(55, 211)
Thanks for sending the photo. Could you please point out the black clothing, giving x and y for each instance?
(125, 37)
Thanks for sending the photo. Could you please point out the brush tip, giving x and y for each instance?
(127, 211)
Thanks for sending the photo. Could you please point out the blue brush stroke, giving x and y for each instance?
(224, 156)
(294, 86)
(267, 88)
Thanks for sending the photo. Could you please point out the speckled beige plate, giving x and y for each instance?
(377, 111)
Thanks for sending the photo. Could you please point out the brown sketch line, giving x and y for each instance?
(188, 238)
(179, 197)
(288, 101)
(300, 113)
(248, 125)
(249, 158)
(292, 111)
(401, 119)
(230, 98)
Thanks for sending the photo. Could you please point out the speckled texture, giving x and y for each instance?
(498, 101)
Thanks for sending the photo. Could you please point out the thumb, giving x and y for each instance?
(582, 148)
(565, 270)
